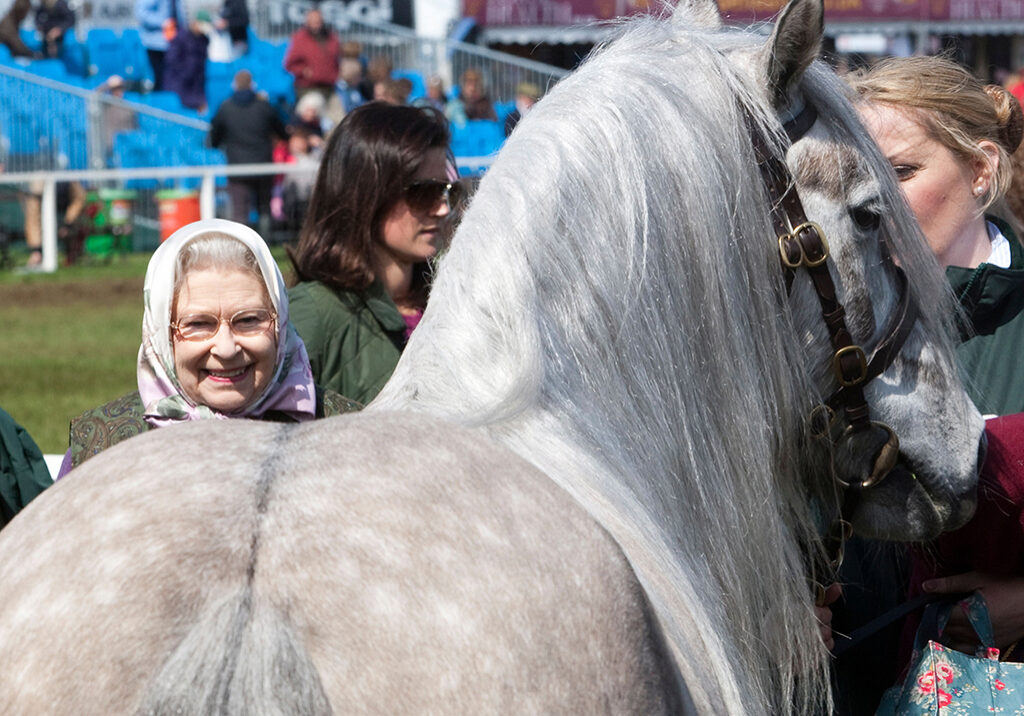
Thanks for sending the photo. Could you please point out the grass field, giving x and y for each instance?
(69, 342)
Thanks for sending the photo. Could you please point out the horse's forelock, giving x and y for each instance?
(900, 230)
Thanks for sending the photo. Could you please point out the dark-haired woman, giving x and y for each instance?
(380, 210)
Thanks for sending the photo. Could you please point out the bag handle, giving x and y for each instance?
(858, 636)
(936, 616)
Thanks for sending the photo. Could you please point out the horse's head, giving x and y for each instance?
(904, 437)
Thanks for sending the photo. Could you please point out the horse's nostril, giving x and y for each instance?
(982, 450)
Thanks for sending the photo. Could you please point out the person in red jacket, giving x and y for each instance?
(986, 554)
(313, 57)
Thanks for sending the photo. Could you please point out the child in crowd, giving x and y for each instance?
(292, 190)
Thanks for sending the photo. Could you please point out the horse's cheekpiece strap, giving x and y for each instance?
(806, 247)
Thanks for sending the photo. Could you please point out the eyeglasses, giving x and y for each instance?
(424, 196)
(204, 326)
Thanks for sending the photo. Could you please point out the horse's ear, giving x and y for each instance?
(793, 46)
(699, 13)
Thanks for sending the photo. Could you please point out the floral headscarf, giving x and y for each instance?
(290, 390)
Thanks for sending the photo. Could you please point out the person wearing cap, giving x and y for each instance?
(527, 95)
(117, 117)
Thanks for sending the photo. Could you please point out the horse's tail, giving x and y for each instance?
(241, 657)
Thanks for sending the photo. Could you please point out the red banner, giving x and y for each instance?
(839, 10)
(499, 13)
(983, 10)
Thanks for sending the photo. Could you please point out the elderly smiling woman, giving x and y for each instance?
(216, 343)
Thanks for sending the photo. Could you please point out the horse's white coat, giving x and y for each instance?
(611, 313)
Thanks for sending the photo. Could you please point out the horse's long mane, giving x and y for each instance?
(612, 308)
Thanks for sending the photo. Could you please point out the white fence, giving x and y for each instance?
(208, 176)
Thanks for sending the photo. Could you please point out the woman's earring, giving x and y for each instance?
(979, 190)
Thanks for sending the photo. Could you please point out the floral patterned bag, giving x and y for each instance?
(944, 681)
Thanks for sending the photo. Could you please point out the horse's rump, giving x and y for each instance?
(403, 565)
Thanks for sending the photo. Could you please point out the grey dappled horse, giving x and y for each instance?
(590, 486)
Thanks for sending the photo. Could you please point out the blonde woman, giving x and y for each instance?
(949, 138)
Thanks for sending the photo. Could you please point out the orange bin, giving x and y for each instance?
(176, 207)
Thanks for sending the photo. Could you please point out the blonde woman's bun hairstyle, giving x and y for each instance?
(1009, 115)
(954, 108)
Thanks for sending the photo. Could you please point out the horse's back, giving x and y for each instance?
(362, 564)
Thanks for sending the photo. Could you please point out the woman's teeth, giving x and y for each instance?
(226, 373)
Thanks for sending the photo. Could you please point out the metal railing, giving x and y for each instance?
(274, 22)
(54, 131)
(46, 124)
(144, 209)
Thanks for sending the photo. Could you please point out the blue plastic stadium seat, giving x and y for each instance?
(215, 96)
(167, 101)
(50, 69)
(67, 111)
(137, 149)
(106, 56)
(264, 52)
(151, 125)
(31, 39)
(136, 61)
(213, 157)
(25, 133)
(75, 56)
(462, 143)
(218, 83)
(280, 91)
(223, 71)
(72, 148)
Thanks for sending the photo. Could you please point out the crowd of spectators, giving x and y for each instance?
(330, 78)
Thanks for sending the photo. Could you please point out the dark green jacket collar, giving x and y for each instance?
(984, 291)
(383, 308)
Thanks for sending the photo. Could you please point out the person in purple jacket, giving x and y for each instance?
(185, 63)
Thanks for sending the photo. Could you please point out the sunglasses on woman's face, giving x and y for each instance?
(425, 196)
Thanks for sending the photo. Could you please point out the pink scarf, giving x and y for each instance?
(290, 391)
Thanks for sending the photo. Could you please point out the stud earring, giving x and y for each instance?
(978, 190)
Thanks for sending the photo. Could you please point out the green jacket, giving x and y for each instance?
(23, 471)
(991, 358)
(353, 339)
(95, 430)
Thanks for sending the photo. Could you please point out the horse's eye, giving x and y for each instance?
(866, 219)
